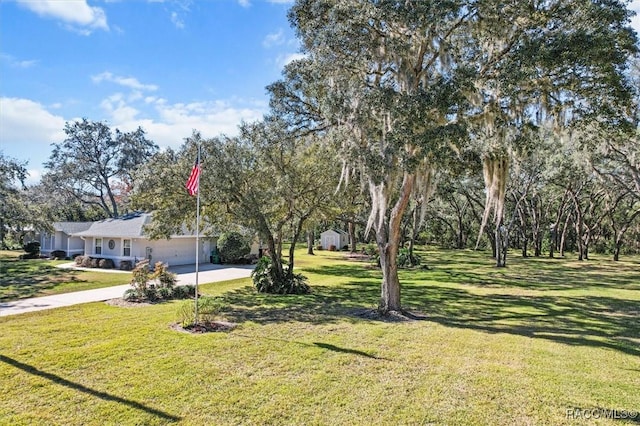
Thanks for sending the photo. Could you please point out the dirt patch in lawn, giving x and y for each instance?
(120, 302)
(391, 316)
(205, 327)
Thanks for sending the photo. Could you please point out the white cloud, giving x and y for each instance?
(77, 15)
(174, 122)
(33, 176)
(177, 21)
(274, 39)
(285, 59)
(635, 21)
(17, 63)
(27, 129)
(244, 3)
(23, 120)
(129, 82)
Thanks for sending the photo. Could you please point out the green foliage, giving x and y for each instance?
(266, 281)
(106, 264)
(209, 309)
(406, 260)
(164, 278)
(156, 285)
(232, 246)
(140, 277)
(32, 248)
(130, 295)
(93, 160)
(59, 254)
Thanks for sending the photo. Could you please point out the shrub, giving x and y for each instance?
(106, 264)
(164, 293)
(180, 292)
(157, 285)
(164, 278)
(32, 248)
(79, 260)
(86, 262)
(371, 249)
(150, 293)
(265, 281)
(130, 295)
(209, 309)
(140, 278)
(126, 265)
(29, 256)
(232, 246)
(406, 260)
(190, 289)
(332, 247)
(58, 254)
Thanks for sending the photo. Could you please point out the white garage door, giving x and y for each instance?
(176, 251)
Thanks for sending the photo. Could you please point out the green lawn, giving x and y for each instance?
(21, 279)
(515, 346)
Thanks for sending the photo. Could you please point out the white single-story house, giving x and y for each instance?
(123, 239)
(334, 237)
(63, 239)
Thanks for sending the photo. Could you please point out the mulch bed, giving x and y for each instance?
(120, 302)
(358, 257)
(391, 316)
(205, 327)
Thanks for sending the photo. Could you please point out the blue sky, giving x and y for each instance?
(169, 66)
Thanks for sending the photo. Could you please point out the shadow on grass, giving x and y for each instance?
(76, 386)
(596, 321)
(321, 345)
(535, 273)
(20, 279)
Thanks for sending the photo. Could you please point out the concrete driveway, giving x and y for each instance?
(207, 273)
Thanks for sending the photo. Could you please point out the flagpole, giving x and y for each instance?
(197, 236)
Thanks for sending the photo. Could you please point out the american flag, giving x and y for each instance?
(194, 179)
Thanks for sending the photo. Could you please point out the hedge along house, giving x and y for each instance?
(63, 238)
(334, 237)
(123, 239)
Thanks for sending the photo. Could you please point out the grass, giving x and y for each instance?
(520, 345)
(20, 279)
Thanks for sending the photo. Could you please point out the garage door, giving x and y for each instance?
(174, 252)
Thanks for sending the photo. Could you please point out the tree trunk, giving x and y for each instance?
(390, 294)
(310, 241)
(616, 252)
(552, 240)
(276, 259)
(563, 237)
(352, 237)
(579, 239)
(492, 241)
(388, 244)
(501, 246)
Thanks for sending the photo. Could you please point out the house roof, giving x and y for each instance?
(337, 231)
(71, 227)
(130, 225)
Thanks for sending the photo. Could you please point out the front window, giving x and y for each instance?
(98, 249)
(126, 248)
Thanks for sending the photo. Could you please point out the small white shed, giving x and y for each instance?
(334, 237)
